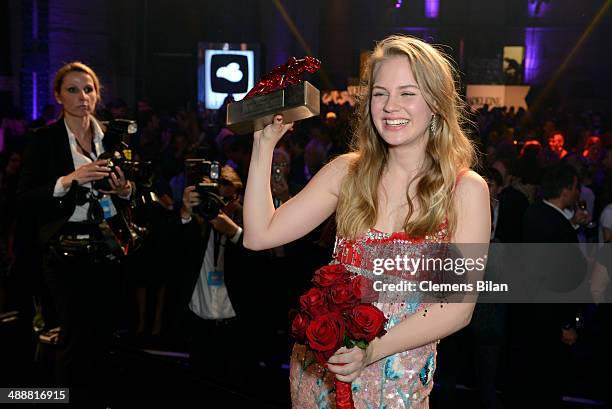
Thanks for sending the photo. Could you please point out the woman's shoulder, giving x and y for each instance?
(345, 160)
(49, 130)
(469, 182)
(44, 137)
(470, 188)
(472, 202)
(334, 172)
(340, 165)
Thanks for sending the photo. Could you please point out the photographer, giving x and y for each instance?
(57, 196)
(215, 273)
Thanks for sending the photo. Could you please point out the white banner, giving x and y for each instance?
(497, 95)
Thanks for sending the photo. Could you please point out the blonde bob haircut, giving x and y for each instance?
(448, 151)
(76, 66)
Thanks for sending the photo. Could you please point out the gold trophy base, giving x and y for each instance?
(294, 102)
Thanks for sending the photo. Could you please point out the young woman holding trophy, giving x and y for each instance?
(406, 182)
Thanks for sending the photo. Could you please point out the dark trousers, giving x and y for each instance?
(221, 350)
(536, 357)
(489, 329)
(86, 295)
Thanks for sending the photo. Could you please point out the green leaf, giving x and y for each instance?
(362, 344)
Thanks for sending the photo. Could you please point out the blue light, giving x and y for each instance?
(432, 8)
(533, 49)
(34, 95)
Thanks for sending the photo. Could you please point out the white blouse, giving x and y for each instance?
(79, 159)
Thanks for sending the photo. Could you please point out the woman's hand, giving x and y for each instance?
(87, 173)
(348, 364)
(273, 132)
(119, 185)
(191, 198)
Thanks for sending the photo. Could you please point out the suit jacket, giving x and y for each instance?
(512, 207)
(560, 268)
(543, 224)
(47, 158)
(191, 240)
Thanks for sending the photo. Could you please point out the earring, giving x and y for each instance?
(432, 124)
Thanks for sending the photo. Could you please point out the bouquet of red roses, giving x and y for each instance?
(337, 311)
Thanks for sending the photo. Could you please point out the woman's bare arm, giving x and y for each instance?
(266, 227)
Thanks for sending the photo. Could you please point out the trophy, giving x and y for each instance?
(279, 92)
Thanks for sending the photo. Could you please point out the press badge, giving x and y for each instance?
(105, 203)
(215, 278)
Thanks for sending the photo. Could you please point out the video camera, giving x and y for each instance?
(204, 175)
(118, 153)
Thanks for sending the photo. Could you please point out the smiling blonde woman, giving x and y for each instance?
(407, 183)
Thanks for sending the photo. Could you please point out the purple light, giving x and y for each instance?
(35, 20)
(533, 49)
(397, 5)
(432, 8)
(34, 96)
(537, 8)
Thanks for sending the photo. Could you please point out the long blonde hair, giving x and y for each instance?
(448, 150)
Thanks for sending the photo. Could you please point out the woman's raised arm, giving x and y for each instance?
(266, 227)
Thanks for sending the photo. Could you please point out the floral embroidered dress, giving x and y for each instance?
(403, 380)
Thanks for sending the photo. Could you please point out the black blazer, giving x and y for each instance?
(512, 207)
(563, 266)
(543, 224)
(558, 268)
(47, 158)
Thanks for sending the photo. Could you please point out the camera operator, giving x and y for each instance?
(216, 272)
(57, 197)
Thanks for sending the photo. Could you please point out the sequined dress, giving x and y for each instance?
(402, 380)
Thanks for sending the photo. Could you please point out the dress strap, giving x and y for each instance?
(460, 174)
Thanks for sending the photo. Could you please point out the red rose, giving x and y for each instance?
(342, 297)
(299, 325)
(365, 322)
(325, 335)
(330, 275)
(322, 357)
(313, 302)
(363, 289)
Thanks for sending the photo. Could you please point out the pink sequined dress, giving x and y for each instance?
(402, 380)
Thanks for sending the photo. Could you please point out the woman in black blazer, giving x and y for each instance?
(57, 195)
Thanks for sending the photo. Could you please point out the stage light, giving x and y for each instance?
(432, 8)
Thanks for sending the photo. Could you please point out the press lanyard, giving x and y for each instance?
(216, 245)
(95, 213)
(93, 147)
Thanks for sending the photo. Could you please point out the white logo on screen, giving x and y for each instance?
(230, 72)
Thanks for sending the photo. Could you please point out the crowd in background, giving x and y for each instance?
(516, 148)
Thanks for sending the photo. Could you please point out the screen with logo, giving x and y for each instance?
(224, 71)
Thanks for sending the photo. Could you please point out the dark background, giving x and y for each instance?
(147, 48)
